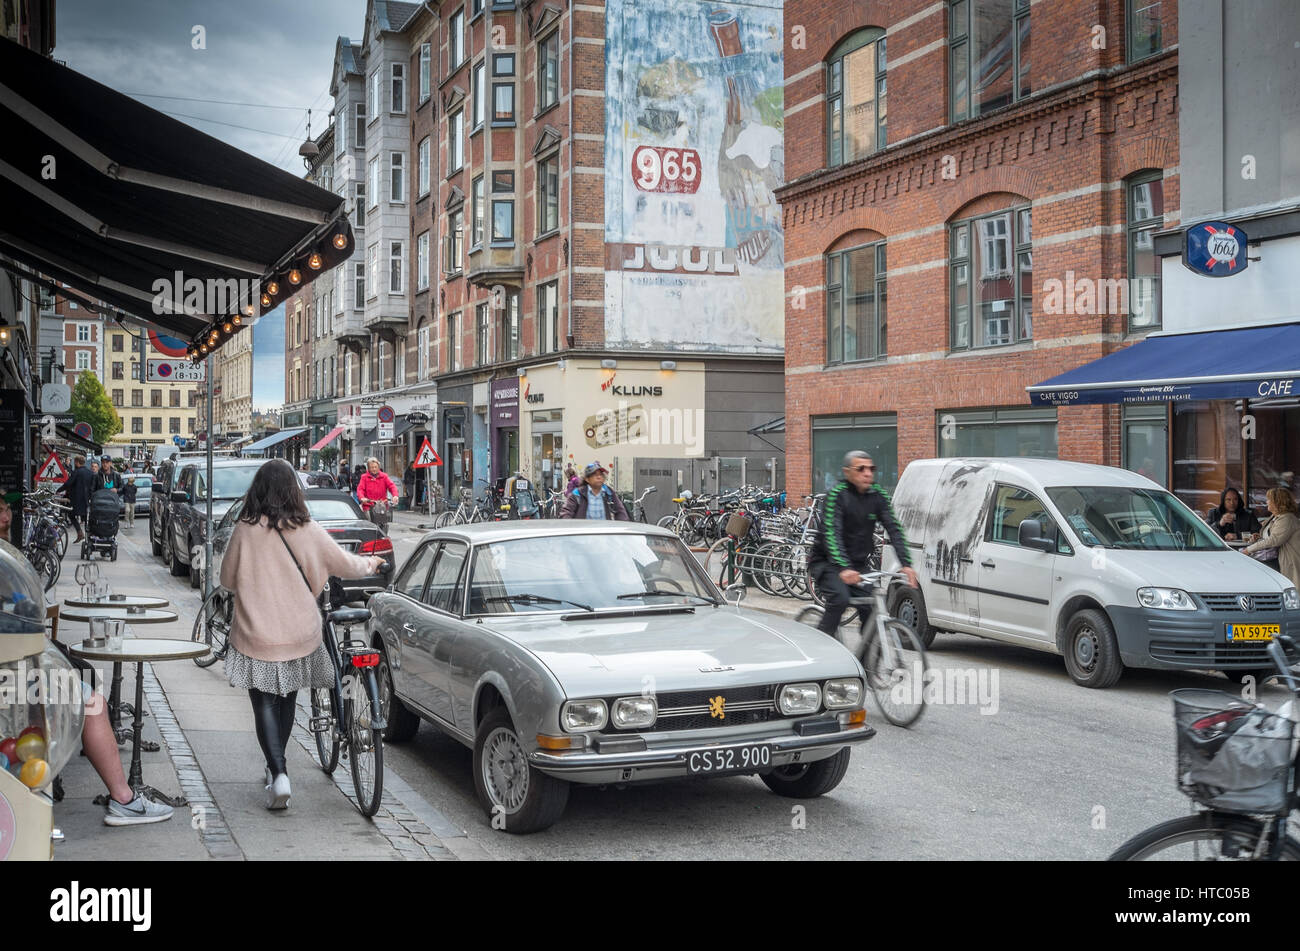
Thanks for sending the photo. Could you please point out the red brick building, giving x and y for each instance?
(972, 191)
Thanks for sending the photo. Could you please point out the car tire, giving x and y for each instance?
(172, 559)
(909, 607)
(1091, 650)
(808, 780)
(402, 723)
(196, 577)
(544, 797)
(155, 543)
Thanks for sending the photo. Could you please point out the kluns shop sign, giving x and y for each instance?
(1215, 249)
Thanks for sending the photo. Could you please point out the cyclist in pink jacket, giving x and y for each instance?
(376, 486)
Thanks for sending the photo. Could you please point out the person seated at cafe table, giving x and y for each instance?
(1232, 520)
(1282, 533)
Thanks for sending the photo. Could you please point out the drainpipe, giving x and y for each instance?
(572, 180)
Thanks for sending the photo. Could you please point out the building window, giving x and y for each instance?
(372, 270)
(503, 102)
(359, 206)
(137, 425)
(453, 342)
(477, 211)
(359, 281)
(422, 262)
(1145, 28)
(424, 167)
(174, 424)
(455, 141)
(135, 369)
(118, 370)
(375, 102)
(83, 333)
(173, 397)
(1009, 431)
(855, 304)
(137, 398)
(988, 49)
(117, 398)
(194, 398)
(1146, 441)
(454, 251)
(373, 169)
(548, 194)
(833, 436)
(481, 328)
(1145, 214)
(359, 119)
(83, 359)
(425, 54)
(548, 71)
(856, 97)
(155, 426)
(341, 132)
(548, 317)
(478, 93)
(477, 7)
(396, 267)
(190, 425)
(991, 274)
(508, 328)
(155, 397)
(456, 40)
(398, 105)
(503, 183)
(119, 343)
(397, 184)
(503, 64)
(422, 354)
(503, 221)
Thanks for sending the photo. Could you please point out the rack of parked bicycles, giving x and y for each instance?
(45, 532)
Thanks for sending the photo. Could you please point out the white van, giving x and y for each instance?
(1098, 564)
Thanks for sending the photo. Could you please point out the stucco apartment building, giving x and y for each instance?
(964, 177)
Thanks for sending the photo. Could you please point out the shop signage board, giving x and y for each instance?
(1215, 249)
(505, 402)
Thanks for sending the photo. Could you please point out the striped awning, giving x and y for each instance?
(329, 437)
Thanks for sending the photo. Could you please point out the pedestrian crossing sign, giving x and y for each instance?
(52, 471)
(426, 456)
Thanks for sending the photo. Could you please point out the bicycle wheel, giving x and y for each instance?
(811, 615)
(715, 562)
(327, 742)
(212, 627)
(896, 672)
(365, 754)
(63, 540)
(1206, 836)
(768, 573)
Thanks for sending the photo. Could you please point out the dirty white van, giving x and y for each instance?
(1097, 564)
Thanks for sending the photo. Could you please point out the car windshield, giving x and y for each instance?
(228, 482)
(559, 573)
(1122, 517)
(325, 509)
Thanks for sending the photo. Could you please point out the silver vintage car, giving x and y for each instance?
(599, 652)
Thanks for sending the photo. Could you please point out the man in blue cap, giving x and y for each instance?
(593, 498)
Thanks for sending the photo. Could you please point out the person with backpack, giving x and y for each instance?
(593, 498)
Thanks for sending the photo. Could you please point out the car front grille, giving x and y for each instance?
(1207, 654)
(691, 709)
(1230, 603)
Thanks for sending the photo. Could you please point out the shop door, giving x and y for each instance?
(507, 453)
(548, 461)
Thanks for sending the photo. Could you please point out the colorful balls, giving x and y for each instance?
(31, 746)
(4, 761)
(30, 730)
(9, 747)
(35, 773)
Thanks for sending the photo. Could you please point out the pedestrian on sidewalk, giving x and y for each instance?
(129, 492)
(277, 562)
(408, 483)
(593, 498)
(78, 488)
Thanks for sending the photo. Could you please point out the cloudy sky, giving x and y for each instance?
(274, 57)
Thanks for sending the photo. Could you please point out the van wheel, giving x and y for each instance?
(909, 607)
(1091, 651)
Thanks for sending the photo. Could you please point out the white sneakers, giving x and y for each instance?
(278, 791)
(139, 811)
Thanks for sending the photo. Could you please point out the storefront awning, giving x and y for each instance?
(332, 435)
(1245, 363)
(276, 439)
(771, 426)
(109, 196)
(400, 428)
(66, 434)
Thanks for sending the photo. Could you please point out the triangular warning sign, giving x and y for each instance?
(52, 471)
(426, 456)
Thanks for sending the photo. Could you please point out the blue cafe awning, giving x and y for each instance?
(1245, 363)
(272, 440)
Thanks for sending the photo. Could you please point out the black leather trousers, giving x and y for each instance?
(273, 719)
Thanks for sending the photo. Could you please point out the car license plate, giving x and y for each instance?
(729, 759)
(1240, 633)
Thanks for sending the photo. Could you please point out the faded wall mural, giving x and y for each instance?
(694, 147)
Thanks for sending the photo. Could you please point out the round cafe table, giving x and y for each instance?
(104, 609)
(115, 602)
(137, 650)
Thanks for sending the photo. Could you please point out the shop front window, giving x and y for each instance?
(833, 436)
(548, 450)
(1273, 455)
(1207, 453)
(1146, 442)
(997, 432)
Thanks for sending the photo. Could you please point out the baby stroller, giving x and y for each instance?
(101, 525)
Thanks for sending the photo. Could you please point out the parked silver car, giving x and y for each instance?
(600, 652)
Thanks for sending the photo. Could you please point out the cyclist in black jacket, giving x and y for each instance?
(847, 540)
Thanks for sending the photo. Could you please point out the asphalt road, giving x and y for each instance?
(1052, 771)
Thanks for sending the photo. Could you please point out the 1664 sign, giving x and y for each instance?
(1215, 249)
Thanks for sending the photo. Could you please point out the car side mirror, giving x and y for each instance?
(1031, 536)
(738, 590)
(180, 496)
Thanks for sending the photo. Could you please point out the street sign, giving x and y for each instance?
(52, 470)
(426, 457)
(385, 432)
(385, 414)
(175, 371)
(56, 397)
(84, 430)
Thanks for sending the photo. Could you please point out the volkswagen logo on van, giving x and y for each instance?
(1247, 603)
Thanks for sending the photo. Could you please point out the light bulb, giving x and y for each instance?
(340, 241)
(272, 288)
(314, 261)
(295, 276)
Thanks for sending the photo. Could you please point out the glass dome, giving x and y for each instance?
(22, 596)
(42, 706)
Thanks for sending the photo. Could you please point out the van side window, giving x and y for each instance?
(1011, 506)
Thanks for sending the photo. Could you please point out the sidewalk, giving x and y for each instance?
(209, 753)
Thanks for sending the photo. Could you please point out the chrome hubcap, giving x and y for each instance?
(505, 770)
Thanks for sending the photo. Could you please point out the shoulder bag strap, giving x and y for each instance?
(295, 562)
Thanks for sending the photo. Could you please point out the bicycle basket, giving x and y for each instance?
(739, 524)
(1232, 755)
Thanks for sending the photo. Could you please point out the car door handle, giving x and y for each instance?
(409, 628)
(987, 564)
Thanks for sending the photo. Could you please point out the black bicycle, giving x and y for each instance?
(1237, 762)
(212, 626)
(348, 718)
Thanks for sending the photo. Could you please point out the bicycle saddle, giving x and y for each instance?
(349, 615)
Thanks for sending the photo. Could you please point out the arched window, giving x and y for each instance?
(855, 303)
(856, 97)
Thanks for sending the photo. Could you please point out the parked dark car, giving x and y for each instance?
(187, 511)
(341, 517)
(317, 480)
(160, 502)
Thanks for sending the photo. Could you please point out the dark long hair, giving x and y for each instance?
(275, 493)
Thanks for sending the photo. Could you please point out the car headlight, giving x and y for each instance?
(631, 713)
(583, 716)
(799, 698)
(1291, 598)
(1166, 599)
(843, 694)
